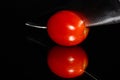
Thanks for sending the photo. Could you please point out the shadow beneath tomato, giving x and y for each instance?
(67, 62)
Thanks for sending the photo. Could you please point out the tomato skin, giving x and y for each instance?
(67, 62)
(85, 33)
(66, 28)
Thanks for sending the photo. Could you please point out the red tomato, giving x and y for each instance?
(67, 62)
(66, 28)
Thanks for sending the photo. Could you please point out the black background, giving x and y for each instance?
(101, 45)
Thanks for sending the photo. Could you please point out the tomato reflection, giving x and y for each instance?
(67, 62)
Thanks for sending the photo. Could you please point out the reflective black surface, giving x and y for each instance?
(101, 45)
